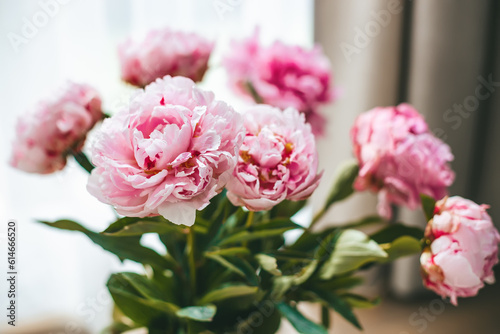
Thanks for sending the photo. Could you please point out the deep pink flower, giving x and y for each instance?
(168, 153)
(57, 126)
(399, 158)
(277, 161)
(282, 76)
(463, 249)
(164, 52)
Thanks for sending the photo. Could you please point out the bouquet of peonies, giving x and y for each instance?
(220, 188)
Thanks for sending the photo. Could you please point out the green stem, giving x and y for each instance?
(83, 161)
(256, 97)
(316, 218)
(248, 224)
(325, 316)
(249, 219)
(192, 262)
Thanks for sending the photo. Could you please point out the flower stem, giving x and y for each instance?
(249, 219)
(325, 316)
(248, 224)
(192, 262)
(316, 218)
(83, 161)
(256, 97)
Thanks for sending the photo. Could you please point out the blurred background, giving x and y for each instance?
(441, 56)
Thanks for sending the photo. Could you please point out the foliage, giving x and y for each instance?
(233, 273)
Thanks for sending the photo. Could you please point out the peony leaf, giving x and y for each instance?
(132, 295)
(123, 247)
(134, 226)
(268, 263)
(238, 266)
(358, 301)
(198, 313)
(287, 208)
(402, 246)
(428, 205)
(394, 231)
(230, 251)
(340, 305)
(344, 178)
(233, 291)
(352, 250)
(298, 321)
(259, 231)
(339, 283)
(282, 284)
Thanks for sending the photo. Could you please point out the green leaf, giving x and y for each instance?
(238, 266)
(341, 306)
(276, 223)
(199, 313)
(428, 205)
(230, 251)
(233, 291)
(148, 289)
(270, 324)
(394, 231)
(134, 226)
(261, 231)
(268, 263)
(298, 321)
(352, 250)
(358, 301)
(134, 303)
(287, 208)
(282, 284)
(339, 283)
(124, 247)
(345, 175)
(402, 246)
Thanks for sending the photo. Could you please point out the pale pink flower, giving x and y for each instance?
(55, 127)
(463, 249)
(277, 161)
(282, 76)
(168, 153)
(399, 158)
(164, 52)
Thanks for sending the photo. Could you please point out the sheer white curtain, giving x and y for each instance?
(61, 273)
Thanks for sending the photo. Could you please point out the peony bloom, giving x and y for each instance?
(57, 126)
(168, 153)
(277, 161)
(164, 52)
(463, 249)
(399, 158)
(282, 76)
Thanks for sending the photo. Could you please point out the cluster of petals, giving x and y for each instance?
(399, 157)
(164, 52)
(277, 161)
(282, 76)
(168, 153)
(55, 128)
(463, 249)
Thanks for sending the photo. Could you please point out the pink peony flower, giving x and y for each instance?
(399, 158)
(57, 126)
(463, 249)
(168, 153)
(164, 52)
(282, 76)
(277, 161)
